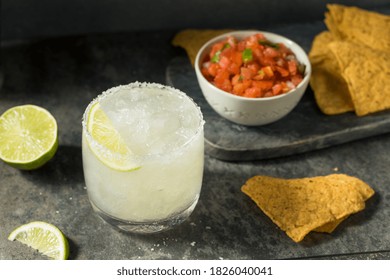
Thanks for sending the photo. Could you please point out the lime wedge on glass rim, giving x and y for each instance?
(110, 148)
(28, 136)
(44, 237)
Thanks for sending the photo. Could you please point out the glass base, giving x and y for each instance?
(149, 226)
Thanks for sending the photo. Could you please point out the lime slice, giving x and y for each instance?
(28, 136)
(117, 155)
(44, 237)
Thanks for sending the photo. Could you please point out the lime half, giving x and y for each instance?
(115, 153)
(28, 136)
(44, 237)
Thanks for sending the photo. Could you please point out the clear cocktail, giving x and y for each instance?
(143, 154)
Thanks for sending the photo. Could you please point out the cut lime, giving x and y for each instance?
(44, 237)
(117, 155)
(28, 136)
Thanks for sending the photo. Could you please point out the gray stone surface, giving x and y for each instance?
(63, 75)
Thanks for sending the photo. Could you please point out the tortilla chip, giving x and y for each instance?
(351, 62)
(359, 26)
(359, 186)
(299, 206)
(367, 74)
(331, 226)
(330, 89)
(193, 39)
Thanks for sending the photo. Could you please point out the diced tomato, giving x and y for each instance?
(236, 79)
(296, 79)
(226, 86)
(260, 75)
(234, 69)
(247, 73)
(282, 71)
(224, 62)
(247, 83)
(231, 41)
(252, 67)
(255, 67)
(222, 81)
(271, 52)
(267, 61)
(239, 89)
(258, 55)
(213, 69)
(215, 48)
(241, 46)
(241, 86)
(292, 67)
(227, 50)
(237, 58)
(221, 77)
(263, 85)
(253, 92)
(285, 87)
(268, 71)
(276, 89)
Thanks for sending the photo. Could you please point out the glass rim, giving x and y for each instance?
(111, 91)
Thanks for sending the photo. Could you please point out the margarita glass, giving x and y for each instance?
(143, 156)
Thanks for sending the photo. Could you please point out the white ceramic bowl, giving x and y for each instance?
(252, 111)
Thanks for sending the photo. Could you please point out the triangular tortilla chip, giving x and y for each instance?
(359, 186)
(330, 89)
(360, 26)
(367, 73)
(299, 206)
(351, 62)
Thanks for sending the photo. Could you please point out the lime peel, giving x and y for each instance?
(44, 237)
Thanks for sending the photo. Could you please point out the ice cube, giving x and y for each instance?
(155, 118)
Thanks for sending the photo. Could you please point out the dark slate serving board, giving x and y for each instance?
(304, 129)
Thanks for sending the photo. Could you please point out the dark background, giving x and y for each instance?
(26, 19)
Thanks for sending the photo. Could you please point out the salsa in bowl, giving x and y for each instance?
(252, 77)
